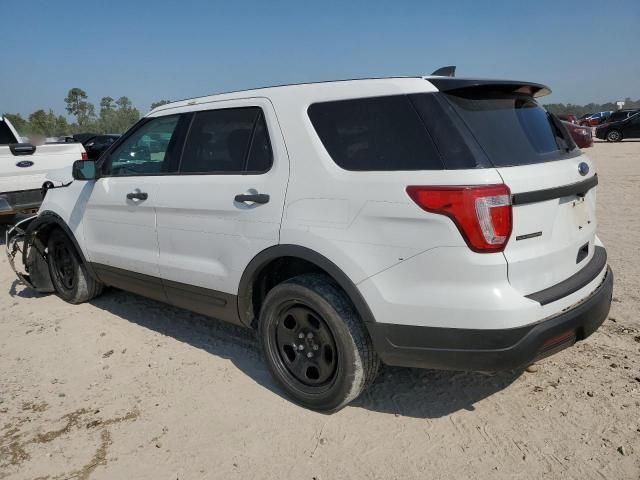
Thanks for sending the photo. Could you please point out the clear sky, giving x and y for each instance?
(586, 51)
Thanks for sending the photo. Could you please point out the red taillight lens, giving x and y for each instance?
(481, 213)
(84, 156)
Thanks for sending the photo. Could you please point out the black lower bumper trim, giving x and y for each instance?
(572, 284)
(491, 350)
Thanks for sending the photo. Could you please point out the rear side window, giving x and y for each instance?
(511, 129)
(6, 136)
(228, 141)
(375, 134)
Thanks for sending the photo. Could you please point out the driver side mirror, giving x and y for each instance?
(84, 170)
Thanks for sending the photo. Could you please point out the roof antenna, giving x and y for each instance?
(449, 71)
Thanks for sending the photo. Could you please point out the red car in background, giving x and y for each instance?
(568, 117)
(581, 135)
(595, 119)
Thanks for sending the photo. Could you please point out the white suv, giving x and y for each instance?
(426, 222)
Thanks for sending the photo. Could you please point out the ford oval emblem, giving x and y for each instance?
(24, 163)
(583, 168)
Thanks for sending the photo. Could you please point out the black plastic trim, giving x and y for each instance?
(212, 303)
(260, 261)
(145, 285)
(22, 149)
(491, 350)
(574, 283)
(579, 188)
(452, 85)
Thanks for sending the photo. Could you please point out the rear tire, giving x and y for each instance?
(614, 136)
(315, 344)
(69, 275)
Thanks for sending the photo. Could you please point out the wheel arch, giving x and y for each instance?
(43, 225)
(262, 274)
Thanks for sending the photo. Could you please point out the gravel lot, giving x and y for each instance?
(126, 387)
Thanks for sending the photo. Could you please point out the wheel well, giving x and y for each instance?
(43, 232)
(273, 273)
(45, 224)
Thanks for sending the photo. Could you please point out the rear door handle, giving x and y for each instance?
(137, 196)
(252, 197)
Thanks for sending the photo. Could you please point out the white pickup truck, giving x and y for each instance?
(24, 168)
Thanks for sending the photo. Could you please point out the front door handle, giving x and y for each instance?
(137, 196)
(252, 197)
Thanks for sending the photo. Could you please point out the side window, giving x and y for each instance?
(233, 140)
(148, 151)
(381, 133)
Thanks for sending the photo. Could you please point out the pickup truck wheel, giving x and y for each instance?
(69, 276)
(315, 344)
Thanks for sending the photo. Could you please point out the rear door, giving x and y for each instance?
(223, 207)
(554, 201)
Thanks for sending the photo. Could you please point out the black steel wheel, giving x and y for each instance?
(63, 265)
(306, 345)
(69, 276)
(315, 345)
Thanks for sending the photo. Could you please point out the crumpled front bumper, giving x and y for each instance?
(19, 242)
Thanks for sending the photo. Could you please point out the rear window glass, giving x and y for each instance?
(511, 129)
(6, 136)
(376, 134)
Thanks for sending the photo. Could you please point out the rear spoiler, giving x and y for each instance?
(452, 85)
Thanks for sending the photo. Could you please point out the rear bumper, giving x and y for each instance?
(20, 202)
(495, 349)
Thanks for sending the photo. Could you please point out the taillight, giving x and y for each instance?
(482, 213)
(84, 156)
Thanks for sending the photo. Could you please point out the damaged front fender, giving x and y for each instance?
(27, 250)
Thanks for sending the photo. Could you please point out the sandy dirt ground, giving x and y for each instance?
(124, 387)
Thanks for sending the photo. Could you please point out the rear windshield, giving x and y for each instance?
(511, 129)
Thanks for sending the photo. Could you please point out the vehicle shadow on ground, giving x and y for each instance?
(399, 391)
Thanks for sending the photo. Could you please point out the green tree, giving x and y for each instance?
(19, 123)
(62, 126)
(42, 123)
(78, 106)
(125, 115)
(107, 120)
(159, 103)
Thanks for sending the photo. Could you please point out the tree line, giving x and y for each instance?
(580, 110)
(114, 116)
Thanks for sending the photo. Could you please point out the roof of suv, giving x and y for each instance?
(368, 87)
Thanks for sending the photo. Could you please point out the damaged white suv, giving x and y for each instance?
(430, 222)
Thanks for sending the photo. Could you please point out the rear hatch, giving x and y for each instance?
(551, 182)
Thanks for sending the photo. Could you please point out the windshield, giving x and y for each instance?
(512, 129)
